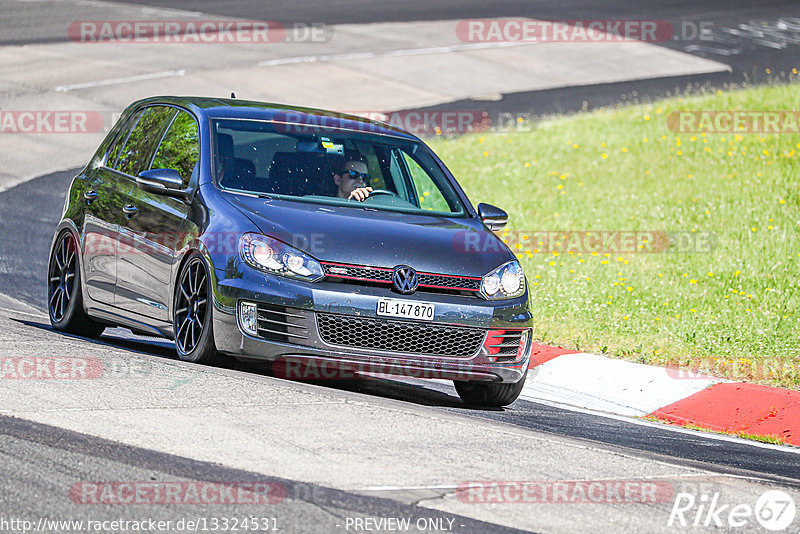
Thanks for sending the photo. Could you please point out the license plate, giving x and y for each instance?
(407, 309)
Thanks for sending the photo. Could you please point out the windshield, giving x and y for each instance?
(314, 164)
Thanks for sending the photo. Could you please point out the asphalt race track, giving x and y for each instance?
(747, 54)
(339, 452)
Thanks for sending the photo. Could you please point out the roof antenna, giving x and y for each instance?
(233, 95)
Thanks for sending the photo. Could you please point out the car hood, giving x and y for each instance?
(379, 238)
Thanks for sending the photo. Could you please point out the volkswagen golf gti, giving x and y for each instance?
(304, 238)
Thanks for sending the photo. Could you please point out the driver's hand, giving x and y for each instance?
(360, 194)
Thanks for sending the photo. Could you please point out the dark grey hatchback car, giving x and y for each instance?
(226, 225)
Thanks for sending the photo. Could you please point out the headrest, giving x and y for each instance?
(303, 173)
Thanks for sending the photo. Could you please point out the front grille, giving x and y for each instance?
(279, 323)
(399, 336)
(358, 273)
(383, 276)
(450, 282)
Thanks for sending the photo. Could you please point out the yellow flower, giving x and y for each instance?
(692, 281)
(624, 149)
(575, 145)
(527, 165)
(710, 274)
(604, 156)
(551, 263)
(753, 229)
(629, 288)
(560, 186)
(485, 153)
(783, 201)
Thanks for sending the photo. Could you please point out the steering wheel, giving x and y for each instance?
(381, 192)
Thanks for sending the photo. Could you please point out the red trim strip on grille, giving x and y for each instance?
(448, 287)
(355, 266)
(358, 278)
(367, 267)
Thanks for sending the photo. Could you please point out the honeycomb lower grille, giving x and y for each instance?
(399, 336)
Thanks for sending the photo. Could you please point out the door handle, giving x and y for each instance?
(89, 195)
(130, 210)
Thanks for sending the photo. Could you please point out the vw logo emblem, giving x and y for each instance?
(405, 279)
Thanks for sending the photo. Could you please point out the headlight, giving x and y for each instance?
(273, 256)
(505, 282)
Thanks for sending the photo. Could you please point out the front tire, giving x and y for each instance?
(194, 335)
(489, 395)
(64, 297)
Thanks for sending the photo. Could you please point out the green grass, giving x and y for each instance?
(730, 309)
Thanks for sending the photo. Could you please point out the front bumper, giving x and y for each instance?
(304, 349)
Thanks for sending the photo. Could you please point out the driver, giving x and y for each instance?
(352, 179)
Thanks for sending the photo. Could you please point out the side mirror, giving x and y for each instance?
(492, 216)
(162, 182)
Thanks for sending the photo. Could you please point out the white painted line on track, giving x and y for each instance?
(17, 312)
(117, 81)
(387, 53)
(664, 426)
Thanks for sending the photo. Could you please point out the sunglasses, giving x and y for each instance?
(355, 175)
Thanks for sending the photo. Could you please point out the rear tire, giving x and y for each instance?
(194, 330)
(489, 395)
(64, 293)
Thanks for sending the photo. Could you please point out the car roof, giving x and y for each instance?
(228, 108)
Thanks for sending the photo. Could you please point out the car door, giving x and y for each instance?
(153, 229)
(104, 195)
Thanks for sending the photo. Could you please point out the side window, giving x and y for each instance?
(430, 197)
(138, 150)
(180, 148)
(119, 141)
